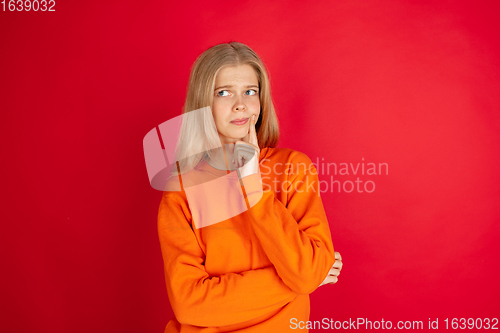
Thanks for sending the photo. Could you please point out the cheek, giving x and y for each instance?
(216, 111)
(255, 106)
(220, 108)
(218, 121)
(219, 118)
(257, 109)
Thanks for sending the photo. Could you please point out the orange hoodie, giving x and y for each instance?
(252, 272)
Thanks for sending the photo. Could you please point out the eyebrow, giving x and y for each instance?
(230, 86)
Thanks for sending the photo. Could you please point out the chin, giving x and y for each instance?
(238, 136)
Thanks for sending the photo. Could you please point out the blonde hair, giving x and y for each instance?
(198, 133)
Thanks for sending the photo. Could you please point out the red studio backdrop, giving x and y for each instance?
(401, 96)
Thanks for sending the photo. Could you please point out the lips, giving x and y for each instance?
(239, 122)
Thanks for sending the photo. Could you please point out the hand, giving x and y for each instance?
(248, 147)
(245, 149)
(334, 272)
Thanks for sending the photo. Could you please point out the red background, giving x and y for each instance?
(413, 84)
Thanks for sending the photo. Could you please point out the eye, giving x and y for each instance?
(250, 92)
(223, 93)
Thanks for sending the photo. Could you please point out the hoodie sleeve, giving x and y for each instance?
(295, 235)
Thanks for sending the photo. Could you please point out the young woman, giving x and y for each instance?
(242, 228)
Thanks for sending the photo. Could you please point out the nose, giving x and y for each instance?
(239, 105)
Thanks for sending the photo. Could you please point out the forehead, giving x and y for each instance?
(234, 75)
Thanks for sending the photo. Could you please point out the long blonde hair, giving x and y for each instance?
(198, 133)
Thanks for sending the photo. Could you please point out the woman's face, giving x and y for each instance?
(236, 99)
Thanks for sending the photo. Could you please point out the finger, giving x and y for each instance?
(248, 137)
(251, 136)
(252, 131)
(240, 159)
(338, 256)
(336, 267)
(331, 280)
(338, 264)
(241, 155)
